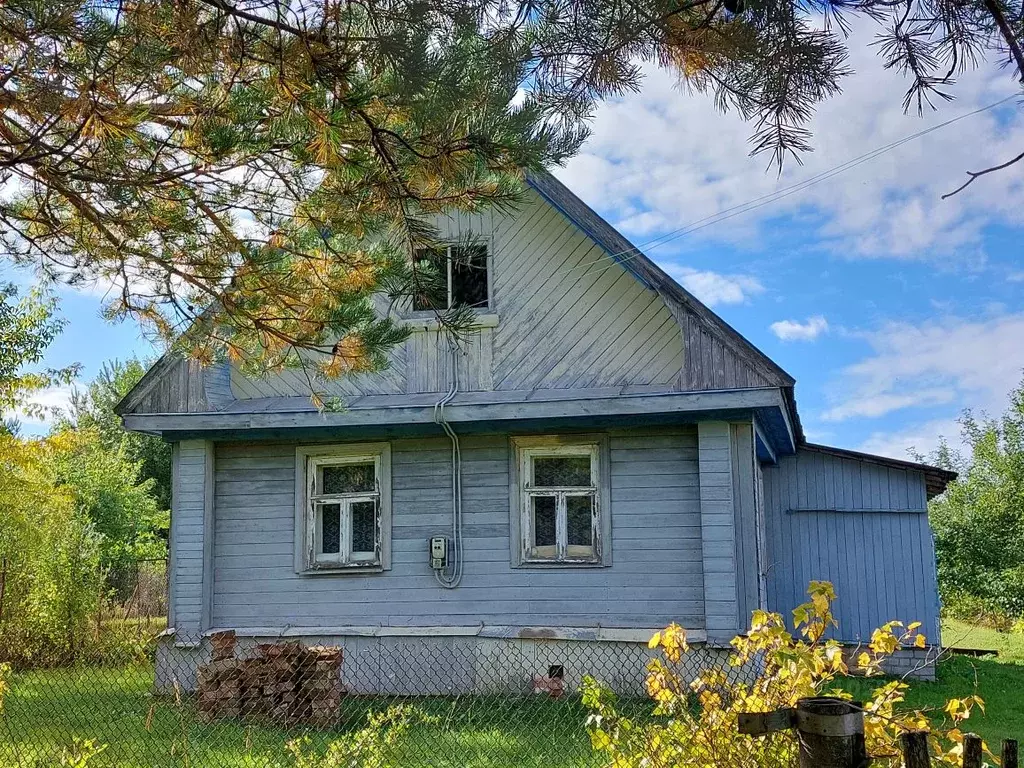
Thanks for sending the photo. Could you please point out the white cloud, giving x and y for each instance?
(50, 400)
(966, 363)
(794, 330)
(715, 288)
(980, 359)
(921, 439)
(664, 159)
(877, 404)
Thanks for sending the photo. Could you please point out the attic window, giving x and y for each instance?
(463, 277)
(345, 507)
(562, 501)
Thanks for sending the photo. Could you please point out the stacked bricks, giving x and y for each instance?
(284, 683)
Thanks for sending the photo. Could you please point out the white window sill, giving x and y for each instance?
(428, 321)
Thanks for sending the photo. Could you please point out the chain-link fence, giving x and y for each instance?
(222, 701)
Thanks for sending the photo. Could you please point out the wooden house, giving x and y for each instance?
(604, 456)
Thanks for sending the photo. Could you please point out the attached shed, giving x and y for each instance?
(860, 522)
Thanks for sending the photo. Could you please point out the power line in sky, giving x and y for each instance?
(778, 194)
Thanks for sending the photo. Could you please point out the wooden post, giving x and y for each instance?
(3, 585)
(831, 733)
(830, 730)
(1009, 756)
(972, 751)
(915, 749)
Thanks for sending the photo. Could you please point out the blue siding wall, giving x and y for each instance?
(656, 576)
(191, 469)
(861, 525)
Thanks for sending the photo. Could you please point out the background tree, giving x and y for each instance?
(105, 486)
(93, 409)
(979, 520)
(27, 327)
(248, 174)
(75, 520)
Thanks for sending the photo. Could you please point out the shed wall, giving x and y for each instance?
(861, 525)
(656, 577)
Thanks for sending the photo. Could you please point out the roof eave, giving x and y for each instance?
(936, 478)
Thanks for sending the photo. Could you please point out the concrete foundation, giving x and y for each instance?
(453, 665)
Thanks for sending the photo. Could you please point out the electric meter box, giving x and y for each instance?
(438, 553)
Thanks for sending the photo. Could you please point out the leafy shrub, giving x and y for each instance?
(369, 747)
(979, 611)
(696, 723)
(49, 553)
(979, 520)
(71, 514)
(105, 487)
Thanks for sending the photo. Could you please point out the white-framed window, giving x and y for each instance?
(343, 507)
(465, 277)
(561, 509)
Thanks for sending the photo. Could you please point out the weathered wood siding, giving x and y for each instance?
(190, 546)
(711, 362)
(175, 385)
(747, 522)
(570, 317)
(858, 524)
(718, 529)
(656, 523)
(567, 317)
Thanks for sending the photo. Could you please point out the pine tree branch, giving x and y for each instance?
(280, 26)
(1008, 35)
(975, 175)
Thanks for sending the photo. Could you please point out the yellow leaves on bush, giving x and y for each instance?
(885, 641)
(769, 668)
(672, 641)
(5, 671)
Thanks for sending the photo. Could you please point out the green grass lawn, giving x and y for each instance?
(46, 709)
(999, 680)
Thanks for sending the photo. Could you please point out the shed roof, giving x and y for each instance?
(936, 478)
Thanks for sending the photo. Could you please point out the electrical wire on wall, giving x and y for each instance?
(451, 577)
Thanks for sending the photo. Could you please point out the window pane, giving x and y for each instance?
(330, 529)
(364, 526)
(543, 521)
(349, 478)
(549, 471)
(469, 275)
(431, 279)
(579, 511)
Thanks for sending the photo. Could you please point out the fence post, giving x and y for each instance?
(1009, 754)
(830, 730)
(3, 585)
(831, 733)
(915, 749)
(972, 750)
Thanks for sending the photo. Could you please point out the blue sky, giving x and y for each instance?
(893, 309)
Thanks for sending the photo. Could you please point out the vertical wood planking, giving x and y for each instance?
(189, 517)
(718, 532)
(745, 520)
(876, 549)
